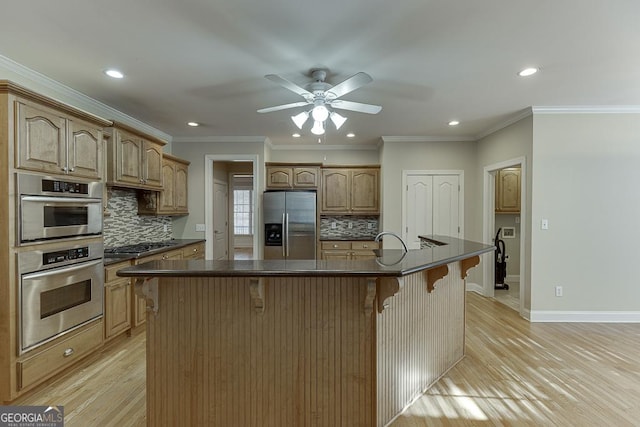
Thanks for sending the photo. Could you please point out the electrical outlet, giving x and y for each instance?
(350, 224)
(334, 225)
(200, 227)
(166, 228)
(369, 226)
(558, 291)
(544, 224)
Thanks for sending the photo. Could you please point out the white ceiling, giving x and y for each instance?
(431, 60)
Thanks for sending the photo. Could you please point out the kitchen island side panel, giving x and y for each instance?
(308, 359)
(420, 336)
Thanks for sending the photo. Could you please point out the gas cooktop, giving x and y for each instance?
(135, 249)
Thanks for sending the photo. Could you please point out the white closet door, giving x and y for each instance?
(419, 209)
(446, 215)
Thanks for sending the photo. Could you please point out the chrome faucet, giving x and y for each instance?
(377, 239)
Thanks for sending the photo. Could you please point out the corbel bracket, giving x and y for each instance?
(434, 274)
(467, 264)
(387, 287)
(147, 288)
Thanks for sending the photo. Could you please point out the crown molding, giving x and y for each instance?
(324, 147)
(508, 122)
(587, 109)
(30, 78)
(427, 138)
(222, 139)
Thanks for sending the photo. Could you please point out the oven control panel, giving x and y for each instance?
(66, 255)
(55, 186)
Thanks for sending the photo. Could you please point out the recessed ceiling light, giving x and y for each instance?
(528, 72)
(351, 135)
(454, 123)
(296, 135)
(193, 124)
(114, 73)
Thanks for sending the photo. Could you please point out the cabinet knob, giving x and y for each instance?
(64, 169)
(72, 169)
(335, 246)
(68, 352)
(365, 246)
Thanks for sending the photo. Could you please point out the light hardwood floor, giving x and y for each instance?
(514, 374)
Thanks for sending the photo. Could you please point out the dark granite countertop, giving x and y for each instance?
(175, 244)
(390, 263)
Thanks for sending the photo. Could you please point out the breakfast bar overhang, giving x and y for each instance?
(304, 342)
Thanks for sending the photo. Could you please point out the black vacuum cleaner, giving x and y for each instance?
(501, 262)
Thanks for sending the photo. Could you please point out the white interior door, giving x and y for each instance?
(446, 203)
(220, 220)
(418, 210)
(432, 206)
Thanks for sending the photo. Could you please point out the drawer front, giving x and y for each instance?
(365, 245)
(335, 245)
(111, 270)
(46, 363)
(193, 252)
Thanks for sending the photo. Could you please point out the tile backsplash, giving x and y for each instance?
(337, 227)
(124, 226)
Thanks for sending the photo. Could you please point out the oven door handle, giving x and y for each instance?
(66, 200)
(67, 269)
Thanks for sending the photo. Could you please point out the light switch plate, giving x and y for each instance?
(544, 224)
(200, 227)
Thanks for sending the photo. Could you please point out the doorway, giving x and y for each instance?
(504, 220)
(218, 166)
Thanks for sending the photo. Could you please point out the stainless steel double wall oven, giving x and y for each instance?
(60, 261)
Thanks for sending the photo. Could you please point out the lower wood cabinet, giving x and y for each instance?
(42, 364)
(348, 250)
(117, 301)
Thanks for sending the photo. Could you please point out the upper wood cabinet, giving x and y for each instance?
(134, 159)
(508, 190)
(51, 141)
(350, 191)
(292, 176)
(172, 200)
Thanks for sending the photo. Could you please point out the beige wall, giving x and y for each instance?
(195, 152)
(585, 175)
(509, 143)
(399, 156)
(326, 156)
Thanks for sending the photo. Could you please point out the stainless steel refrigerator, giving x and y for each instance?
(289, 224)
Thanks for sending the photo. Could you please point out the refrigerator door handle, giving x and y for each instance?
(284, 237)
(287, 235)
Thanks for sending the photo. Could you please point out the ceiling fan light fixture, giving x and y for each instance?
(320, 113)
(337, 119)
(318, 128)
(300, 119)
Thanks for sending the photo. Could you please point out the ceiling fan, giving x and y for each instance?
(323, 97)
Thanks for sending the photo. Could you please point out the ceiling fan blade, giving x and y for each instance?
(351, 84)
(356, 106)
(283, 107)
(289, 85)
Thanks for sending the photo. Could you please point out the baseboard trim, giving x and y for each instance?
(541, 316)
(474, 287)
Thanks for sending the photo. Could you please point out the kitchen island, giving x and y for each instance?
(304, 342)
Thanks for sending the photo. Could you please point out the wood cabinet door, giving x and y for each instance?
(335, 190)
(364, 191)
(508, 190)
(167, 195)
(304, 177)
(117, 307)
(41, 139)
(152, 165)
(180, 191)
(279, 177)
(128, 158)
(85, 150)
